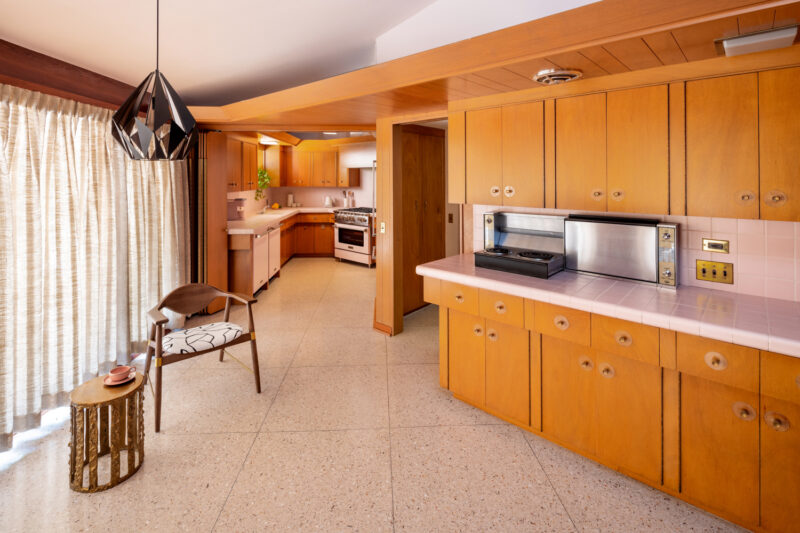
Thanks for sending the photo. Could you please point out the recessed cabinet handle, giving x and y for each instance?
(561, 322)
(746, 196)
(495, 191)
(597, 194)
(459, 298)
(500, 307)
(607, 370)
(775, 198)
(478, 331)
(776, 421)
(623, 338)
(716, 361)
(492, 335)
(617, 195)
(744, 411)
(585, 362)
(509, 191)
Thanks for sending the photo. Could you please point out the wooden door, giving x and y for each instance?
(780, 465)
(411, 187)
(508, 386)
(301, 168)
(432, 193)
(719, 447)
(629, 431)
(323, 239)
(467, 357)
(323, 169)
(523, 154)
(249, 166)
(234, 165)
(484, 141)
(638, 150)
(304, 238)
(581, 152)
(779, 143)
(568, 394)
(215, 150)
(722, 147)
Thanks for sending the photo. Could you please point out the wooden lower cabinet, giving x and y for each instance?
(508, 386)
(467, 361)
(780, 465)
(287, 243)
(719, 448)
(304, 238)
(323, 239)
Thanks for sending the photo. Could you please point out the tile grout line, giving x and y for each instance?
(263, 421)
(389, 419)
(549, 481)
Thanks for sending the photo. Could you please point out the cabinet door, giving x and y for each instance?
(323, 239)
(301, 168)
(508, 385)
(467, 357)
(285, 237)
(638, 150)
(323, 169)
(629, 432)
(722, 147)
(484, 156)
(719, 447)
(523, 155)
(304, 239)
(274, 252)
(568, 394)
(581, 152)
(274, 165)
(234, 165)
(780, 465)
(249, 166)
(779, 143)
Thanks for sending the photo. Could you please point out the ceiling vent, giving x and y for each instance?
(554, 76)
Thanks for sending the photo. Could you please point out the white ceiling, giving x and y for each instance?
(219, 51)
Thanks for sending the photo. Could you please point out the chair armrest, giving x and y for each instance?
(156, 316)
(241, 298)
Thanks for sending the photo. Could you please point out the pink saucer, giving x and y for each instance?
(109, 382)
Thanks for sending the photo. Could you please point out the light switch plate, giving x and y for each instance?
(714, 271)
(716, 245)
(383, 227)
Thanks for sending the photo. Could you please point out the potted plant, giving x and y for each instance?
(263, 183)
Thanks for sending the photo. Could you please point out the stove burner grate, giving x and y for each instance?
(538, 256)
(498, 250)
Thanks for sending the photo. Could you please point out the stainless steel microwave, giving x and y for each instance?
(630, 248)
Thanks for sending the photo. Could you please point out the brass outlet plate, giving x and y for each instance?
(716, 245)
(714, 271)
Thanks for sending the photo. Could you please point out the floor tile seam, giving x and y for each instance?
(549, 481)
(389, 418)
(427, 426)
(325, 430)
(233, 484)
(355, 365)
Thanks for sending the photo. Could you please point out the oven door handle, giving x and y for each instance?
(350, 226)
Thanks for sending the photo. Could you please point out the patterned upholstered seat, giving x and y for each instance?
(201, 338)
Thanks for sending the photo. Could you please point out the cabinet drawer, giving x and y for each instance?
(562, 322)
(718, 361)
(501, 307)
(315, 218)
(780, 376)
(459, 297)
(628, 339)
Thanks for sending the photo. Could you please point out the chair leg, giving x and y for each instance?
(226, 316)
(254, 353)
(158, 395)
(150, 351)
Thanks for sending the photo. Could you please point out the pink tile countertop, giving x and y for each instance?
(763, 323)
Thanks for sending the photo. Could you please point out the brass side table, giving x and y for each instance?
(104, 422)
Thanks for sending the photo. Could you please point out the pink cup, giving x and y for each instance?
(121, 372)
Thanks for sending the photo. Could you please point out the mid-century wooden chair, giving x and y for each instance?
(180, 345)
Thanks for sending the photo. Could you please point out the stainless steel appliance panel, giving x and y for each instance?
(627, 250)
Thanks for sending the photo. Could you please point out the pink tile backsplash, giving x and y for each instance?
(765, 254)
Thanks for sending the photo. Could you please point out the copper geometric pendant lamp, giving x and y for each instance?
(153, 123)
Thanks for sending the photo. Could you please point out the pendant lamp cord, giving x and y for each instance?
(157, 33)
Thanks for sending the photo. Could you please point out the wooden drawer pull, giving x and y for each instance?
(495, 191)
(459, 298)
(744, 411)
(606, 370)
(491, 335)
(509, 191)
(617, 195)
(478, 331)
(716, 361)
(500, 307)
(561, 322)
(777, 421)
(623, 338)
(585, 362)
(776, 198)
(597, 194)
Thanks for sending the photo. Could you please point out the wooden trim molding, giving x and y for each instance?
(31, 70)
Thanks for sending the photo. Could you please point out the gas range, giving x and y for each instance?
(520, 261)
(356, 216)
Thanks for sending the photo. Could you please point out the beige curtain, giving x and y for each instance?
(88, 241)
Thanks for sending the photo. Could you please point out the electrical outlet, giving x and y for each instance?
(383, 227)
(714, 271)
(449, 218)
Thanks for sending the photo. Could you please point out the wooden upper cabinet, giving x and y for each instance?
(722, 147)
(233, 158)
(301, 168)
(349, 177)
(581, 152)
(275, 165)
(484, 160)
(324, 169)
(523, 154)
(249, 166)
(779, 135)
(456, 158)
(638, 150)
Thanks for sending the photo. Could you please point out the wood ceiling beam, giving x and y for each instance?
(590, 25)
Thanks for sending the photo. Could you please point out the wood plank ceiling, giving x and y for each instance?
(692, 42)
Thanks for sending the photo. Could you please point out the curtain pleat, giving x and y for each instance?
(89, 240)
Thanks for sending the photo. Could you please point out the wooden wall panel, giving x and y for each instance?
(665, 47)
(633, 53)
(216, 230)
(456, 154)
(604, 60)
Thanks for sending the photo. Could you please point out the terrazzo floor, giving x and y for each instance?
(350, 433)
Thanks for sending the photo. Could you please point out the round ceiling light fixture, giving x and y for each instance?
(554, 76)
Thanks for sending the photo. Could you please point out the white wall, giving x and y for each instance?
(449, 21)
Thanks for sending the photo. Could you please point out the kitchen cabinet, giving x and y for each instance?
(467, 361)
(274, 265)
(349, 177)
(779, 143)
(304, 238)
(249, 179)
(233, 163)
(301, 169)
(508, 388)
(260, 268)
(581, 152)
(484, 153)
(287, 242)
(638, 150)
(722, 147)
(324, 166)
(719, 447)
(323, 239)
(275, 161)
